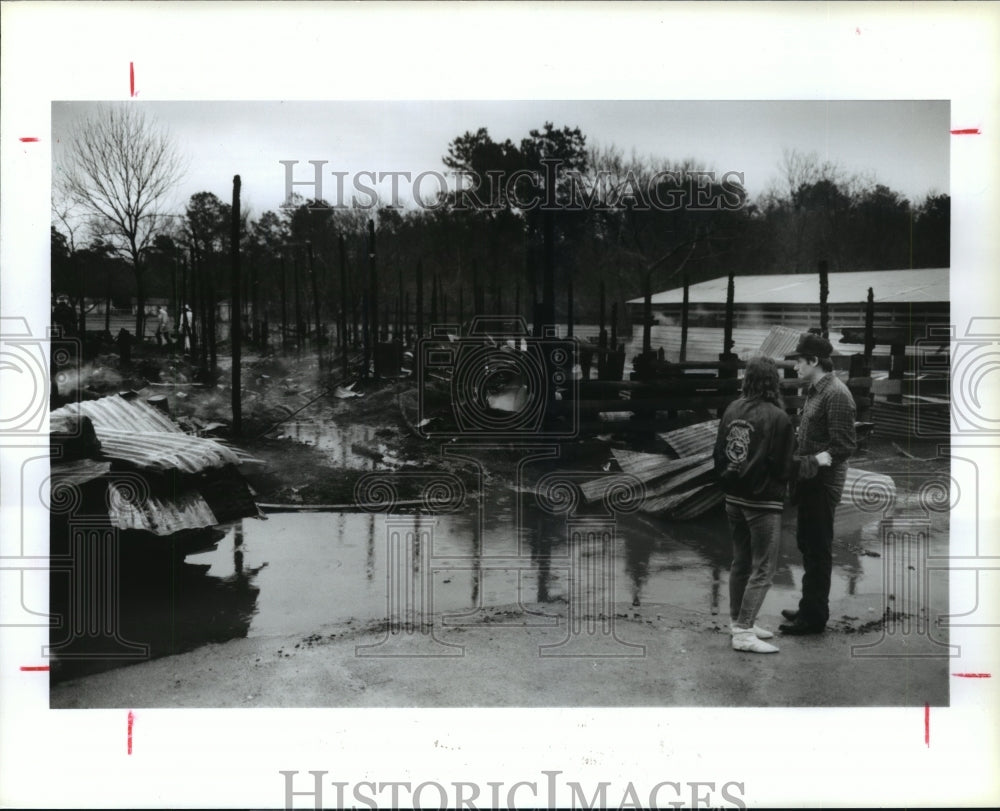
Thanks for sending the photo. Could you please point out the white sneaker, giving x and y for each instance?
(744, 640)
(760, 633)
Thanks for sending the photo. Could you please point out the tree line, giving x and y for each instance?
(612, 224)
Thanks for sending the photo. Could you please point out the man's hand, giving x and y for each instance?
(823, 459)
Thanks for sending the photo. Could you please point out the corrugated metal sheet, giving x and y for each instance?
(705, 343)
(77, 472)
(703, 499)
(686, 502)
(131, 430)
(780, 341)
(165, 451)
(159, 514)
(692, 440)
(923, 285)
(121, 414)
(649, 466)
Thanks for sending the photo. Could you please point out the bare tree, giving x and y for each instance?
(119, 168)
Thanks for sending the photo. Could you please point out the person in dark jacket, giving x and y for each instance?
(753, 459)
(825, 442)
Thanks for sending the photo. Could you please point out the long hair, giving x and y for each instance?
(760, 381)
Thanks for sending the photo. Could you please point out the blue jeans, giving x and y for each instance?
(756, 536)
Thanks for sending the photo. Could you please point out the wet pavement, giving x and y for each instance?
(302, 572)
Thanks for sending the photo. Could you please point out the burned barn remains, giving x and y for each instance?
(335, 322)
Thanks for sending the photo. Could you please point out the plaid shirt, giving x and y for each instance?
(827, 422)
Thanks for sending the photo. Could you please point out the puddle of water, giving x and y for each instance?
(351, 446)
(297, 573)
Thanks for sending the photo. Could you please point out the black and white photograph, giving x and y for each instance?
(355, 430)
(389, 427)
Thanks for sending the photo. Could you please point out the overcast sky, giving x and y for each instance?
(903, 144)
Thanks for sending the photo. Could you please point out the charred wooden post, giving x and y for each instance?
(859, 378)
(897, 368)
(202, 283)
(213, 330)
(195, 311)
(614, 360)
(685, 313)
(343, 303)
(869, 329)
(478, 290)
(235, 312)
(174, 307)
(365, 334)
(107, 306)
(569, 309)
(544, 315)
(602, 335)
(400, 296)
(647, 315)
(824, 294)
(727, 354)
(300, 326)
(434, 301)
(315, 294)
(420, 300)
(255, 308)
(372, 284)
(407, 333)
(284, 303)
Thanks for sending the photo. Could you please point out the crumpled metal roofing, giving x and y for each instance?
(131, 430)
(152, 499)
(77, 472)
(165, 451)
(160, 515)
(780, 341)
(122, 414)
(692, 440)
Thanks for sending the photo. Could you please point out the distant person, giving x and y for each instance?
(826, 439)
(162, 327)
(64, 317)
(753, 459)
(186, 324)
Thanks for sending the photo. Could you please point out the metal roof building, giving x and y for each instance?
(912, 299)
(925, 285)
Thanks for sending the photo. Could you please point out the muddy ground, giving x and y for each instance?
(315, 435)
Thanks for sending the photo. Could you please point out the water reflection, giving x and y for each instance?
(170, 605)
(637, 555)
(298, 572)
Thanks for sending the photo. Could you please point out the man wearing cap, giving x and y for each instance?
(826, 439)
